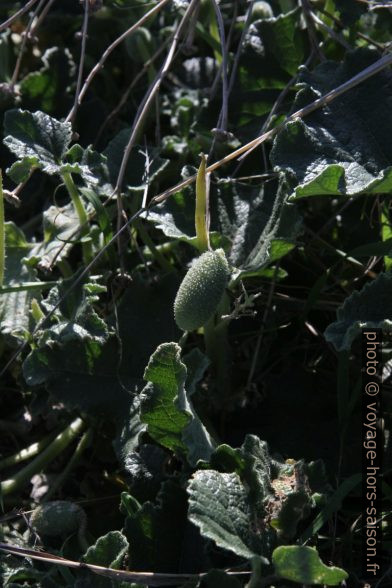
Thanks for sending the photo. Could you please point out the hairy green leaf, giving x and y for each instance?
(60, 225)
(303, 565)
(108, 550)
(167, 409)
(37, 136)
(259, 224)
(83, 362)
(219, 506)
(369, 308)
(344, 148)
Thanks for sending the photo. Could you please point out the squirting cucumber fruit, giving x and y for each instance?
(201, 290)
(58, 518)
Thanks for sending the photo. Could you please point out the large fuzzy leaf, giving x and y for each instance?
(224, 504)
(77, 359)
(37, 136)
(249, 499)
(219, 506)
(344, 148)
(252, 463)
(40, 141)
(167, 409)
(259, 224)
(370, 308)
(85, 363)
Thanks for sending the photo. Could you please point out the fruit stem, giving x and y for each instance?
(83, 444)
(26, 453)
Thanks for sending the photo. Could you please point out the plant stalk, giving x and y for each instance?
(155, 252)
(82, 214)
(81, 446)
(26, 453)
(58, 445)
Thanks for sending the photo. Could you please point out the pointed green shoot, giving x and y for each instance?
(202, 208)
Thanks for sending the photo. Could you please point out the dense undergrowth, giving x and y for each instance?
(232, 450)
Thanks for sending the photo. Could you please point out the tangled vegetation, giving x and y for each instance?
(195, 228)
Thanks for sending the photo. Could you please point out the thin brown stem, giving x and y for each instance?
(99, 65)
(149, 97)
(72, 114)
(311, 29)
(26, 35)
(224, 50)
(127, 92)
(150, 578)
(15, 16)
(41, 17)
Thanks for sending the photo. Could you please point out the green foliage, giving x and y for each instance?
(48, 88)
(219, 506)
(108, 551)
(250, 501)
(282, 38)
(367, 309)
(332, 152)
(303, 565)
(258, 223)
(135, 178)
(38, 137)
(219, 443)
(167, 410)
(77, 358)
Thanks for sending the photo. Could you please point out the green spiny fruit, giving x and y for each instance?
(201, 290)
(58, 518)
